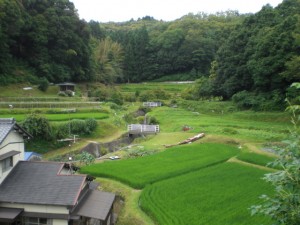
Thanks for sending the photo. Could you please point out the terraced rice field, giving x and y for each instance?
(170, 163)
(216, 195)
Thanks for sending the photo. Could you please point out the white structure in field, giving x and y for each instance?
(152, 104)
(143, 129)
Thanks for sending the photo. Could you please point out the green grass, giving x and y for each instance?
(217, 195)
(16, 90)
(141, 87)
(253, 128)
(60, 117)
(158, 141)
(170, 163)
(131, 213)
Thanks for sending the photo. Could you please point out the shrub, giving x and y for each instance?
(91, 124)
(129, 118)
(114, 106)
(117, 98)
(137, 93)
(129, 97)
(161, 94)
(86, 158)
(76, 126)
(43, 84)
(38, 126)
(153, 95)
(140, 119)
(146, 96)
(153, 120)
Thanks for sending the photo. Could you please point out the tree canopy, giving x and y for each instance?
(46, 37)
(236, 56)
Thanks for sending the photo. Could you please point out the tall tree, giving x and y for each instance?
(56, 41)
(108, 56)
(11, 22)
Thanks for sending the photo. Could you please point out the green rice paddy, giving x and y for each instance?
(193, 184)
(217, 195)
(170, 163)
(61, 117)
(257, 159)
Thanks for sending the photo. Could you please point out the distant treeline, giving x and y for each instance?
(231, 55)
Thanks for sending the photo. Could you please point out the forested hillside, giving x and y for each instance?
(250, 58)
(43, 39)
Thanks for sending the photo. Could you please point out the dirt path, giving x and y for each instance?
(235, 160)
(254, 148)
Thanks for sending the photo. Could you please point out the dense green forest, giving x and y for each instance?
(250, 58)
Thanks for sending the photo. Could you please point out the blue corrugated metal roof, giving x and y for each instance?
(28, 155)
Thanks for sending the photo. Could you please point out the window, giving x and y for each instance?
(36, 221)
(7, 164)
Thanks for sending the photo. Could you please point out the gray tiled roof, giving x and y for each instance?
(39, 183)
(96, 204)
(6, 125)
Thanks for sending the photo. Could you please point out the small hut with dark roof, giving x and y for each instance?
(66, 86)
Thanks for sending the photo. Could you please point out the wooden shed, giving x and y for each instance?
(66, 87)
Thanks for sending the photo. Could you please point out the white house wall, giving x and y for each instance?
(41, 209)
(38, 208)
(13, 142)
(59, 222)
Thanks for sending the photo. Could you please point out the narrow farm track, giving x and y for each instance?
(235, 160)
(254, 148)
